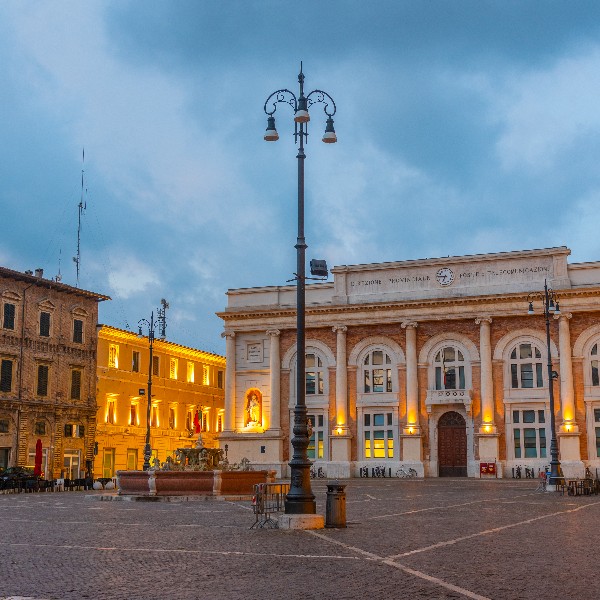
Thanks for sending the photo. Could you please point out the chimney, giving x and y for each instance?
(39, 273)
(29, 272)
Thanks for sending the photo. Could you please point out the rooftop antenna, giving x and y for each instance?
(162, 318)
(58, 277)
(82, 206)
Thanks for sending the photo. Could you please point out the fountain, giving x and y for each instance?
(197, 471)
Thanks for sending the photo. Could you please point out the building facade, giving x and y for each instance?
(187, 399)
(431, 364)
(47, 373)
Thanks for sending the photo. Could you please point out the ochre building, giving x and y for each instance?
(433, 365)
(47, 373)
(187, 399)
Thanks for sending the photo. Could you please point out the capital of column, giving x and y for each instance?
(409, 324)
(228, 334)
(564, 316)
(339, 328)
(273, 332)
(485, 319)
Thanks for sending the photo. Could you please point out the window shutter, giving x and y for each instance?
(75, 384)
(42, 382)
(9, 316)
(45, 324)
(78, 331)
(69, 430)
(6, 376)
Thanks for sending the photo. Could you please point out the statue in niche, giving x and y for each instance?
(253, 408)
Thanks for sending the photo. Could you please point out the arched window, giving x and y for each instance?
(594, 364)
(315, 375)
(377, 372)
(526, 370)
(449, 364)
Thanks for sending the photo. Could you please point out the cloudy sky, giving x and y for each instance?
(463, 127)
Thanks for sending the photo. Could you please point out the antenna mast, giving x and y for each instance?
(82, 206)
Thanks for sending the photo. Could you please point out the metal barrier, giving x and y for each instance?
(267, 499)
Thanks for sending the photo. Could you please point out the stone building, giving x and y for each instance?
(429, 364)
(47, 372)
(187, 399)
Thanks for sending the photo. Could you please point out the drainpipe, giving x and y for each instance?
(19, 391)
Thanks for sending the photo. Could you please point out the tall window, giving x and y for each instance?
(108, 462)
(135, 362)
(155, 365)
(172, 417)
(78, 331)
(76, 384)
(526, 367)
(6, 369)
(205, 421)
(132, 459)
(379, 435)
(42, 380)
(154, 421)
(597, 423)
(111, 411)
(220, 379)
(529, 433)
(190, 371)
(594, 361)
(8, 321)
(133, 414)
(45, 324)
(205, 375)
(173, 364)
(377, 372)
(314, 374)
(189, 419)
(449, 366)
(316, 448)
(113, 356)
(220, 422)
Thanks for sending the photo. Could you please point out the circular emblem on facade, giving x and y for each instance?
(445, 276)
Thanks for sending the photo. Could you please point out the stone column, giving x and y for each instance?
(487, 384)
(339, 465)
(229, 424)
(275, 377)
(411, 436)
(570, 454)
(341, 378)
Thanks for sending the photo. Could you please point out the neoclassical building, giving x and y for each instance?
(430, 364)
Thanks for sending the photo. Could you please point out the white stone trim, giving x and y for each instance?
(523, 335)
(437, 341)
(379, 341)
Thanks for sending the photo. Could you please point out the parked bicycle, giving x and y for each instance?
(406, 473)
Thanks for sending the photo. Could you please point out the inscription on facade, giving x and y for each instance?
(254, 352)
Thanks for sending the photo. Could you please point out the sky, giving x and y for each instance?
(464, 126)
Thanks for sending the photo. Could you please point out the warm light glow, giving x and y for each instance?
(190, 372)
(205, 375)
(411, 430)
(339, 431)
(568, 426)
(487, 429)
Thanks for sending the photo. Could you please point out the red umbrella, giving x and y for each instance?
(38, 458)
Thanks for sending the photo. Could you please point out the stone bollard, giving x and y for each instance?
(335, 509)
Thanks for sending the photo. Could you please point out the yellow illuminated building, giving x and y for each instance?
(187, 396)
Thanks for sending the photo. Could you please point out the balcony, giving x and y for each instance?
(443, 397)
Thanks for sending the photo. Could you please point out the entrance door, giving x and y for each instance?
(452, 445)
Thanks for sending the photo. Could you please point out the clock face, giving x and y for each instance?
(445, 276)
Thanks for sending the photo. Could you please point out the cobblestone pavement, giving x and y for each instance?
(405, 539)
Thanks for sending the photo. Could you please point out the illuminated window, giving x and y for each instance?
(154, 420)
(6, 371)
(108, 463)
(315, 375)
(133, 414)
(220, 422)
(205, 421)
(205, 375)
(8, 321)
(526, 369)
(135, 362)
(189, 419)
(132, 459)
(45, 324)
(73, 430)
(42, 380)
(78, 331)
(529, 433)
(113, 356)
(377, 369)
(172, 420)
(378, 435)
(449, 365)
(316, 447)
(111, 411)
(76, 384)
(190, 371)
(173, 364)
(220, 379)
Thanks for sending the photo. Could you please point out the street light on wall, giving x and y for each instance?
(550, 308)
(300, 499)
(150, 325)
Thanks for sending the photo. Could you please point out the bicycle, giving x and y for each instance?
(404, 473)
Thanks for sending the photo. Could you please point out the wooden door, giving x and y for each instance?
(452, 445)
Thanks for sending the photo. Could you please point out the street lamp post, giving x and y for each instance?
(150, 324)
(551, 307)
(300, 499)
